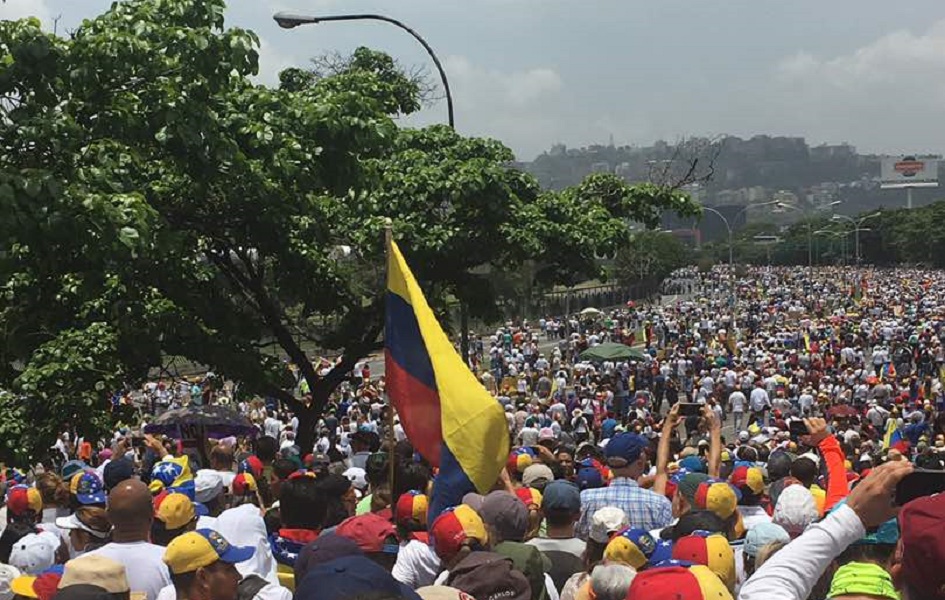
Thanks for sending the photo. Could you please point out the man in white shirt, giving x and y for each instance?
(759, 402)
(736, 405)
(131, 512)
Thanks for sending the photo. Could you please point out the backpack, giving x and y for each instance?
(250, 586)
(489, 576)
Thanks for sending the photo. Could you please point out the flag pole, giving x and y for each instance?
(391, 438)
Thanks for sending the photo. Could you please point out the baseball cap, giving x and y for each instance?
(709, 549)
(117, 471)
(243, 484)
(97, 570)
(795, 510)
(868, 579)
(530, 497)
(606, 521)
(589, 478)
(325, 549)
(43, 585)
(505, 514)
(34, 552)
(749, 480)
(349, 577)
(442, 592)
(561, 495)
(454, 526)
(693, 464)
(637, 548)
(696, 582)
(90, 489)
(7, 575)
(624, 448)
(371, 532)
(520, 459)
(251, 464)
(716, 496)
(535, 473)
(761, 535)
(744, 436)
(22, 499)
(412, 508)
(923, 552)
(74, 521)
(688, 485)
(546, 433)
(175, 510)
(208, 484)
(358, 477)
(196, 549)
(71, 468)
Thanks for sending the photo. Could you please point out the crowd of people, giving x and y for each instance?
(758, 447)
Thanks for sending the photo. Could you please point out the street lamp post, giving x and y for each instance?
(731, 254)
(288, 20)
(810, 233)
(857, 228)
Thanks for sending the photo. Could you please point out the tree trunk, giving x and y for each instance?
(308, 420)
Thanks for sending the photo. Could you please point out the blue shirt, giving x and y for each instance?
(644, 509)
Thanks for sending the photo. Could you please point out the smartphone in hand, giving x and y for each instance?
(919, 483)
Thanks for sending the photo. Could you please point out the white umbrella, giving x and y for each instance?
(590, 310)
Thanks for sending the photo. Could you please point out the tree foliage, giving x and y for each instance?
(158, 202)
(649, 255)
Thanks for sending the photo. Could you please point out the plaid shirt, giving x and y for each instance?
(645, 509)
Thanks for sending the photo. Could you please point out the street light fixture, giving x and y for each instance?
(857, 228)
(810, 235)
(287, 20)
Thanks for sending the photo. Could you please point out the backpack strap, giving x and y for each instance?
(250, 586)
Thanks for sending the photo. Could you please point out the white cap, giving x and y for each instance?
(208, 484)
(606, 521)
(357, 476)
(7, 575)
(35, 552)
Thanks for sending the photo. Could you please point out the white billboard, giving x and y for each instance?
(908, 171)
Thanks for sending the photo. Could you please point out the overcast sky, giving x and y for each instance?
(536, 72)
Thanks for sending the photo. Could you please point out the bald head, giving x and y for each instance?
(130, 509)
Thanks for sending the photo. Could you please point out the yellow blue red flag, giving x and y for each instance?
(448, 416)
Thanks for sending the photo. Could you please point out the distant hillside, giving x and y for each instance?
(760, 169)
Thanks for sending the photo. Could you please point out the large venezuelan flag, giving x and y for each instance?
(447, 414)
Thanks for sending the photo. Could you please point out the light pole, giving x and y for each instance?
(857, 228)
(810, 235)
(288, 20)
(728, 226)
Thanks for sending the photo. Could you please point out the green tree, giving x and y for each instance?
(650, 255)
(161, 203)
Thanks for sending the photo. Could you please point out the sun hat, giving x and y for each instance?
(74, 521)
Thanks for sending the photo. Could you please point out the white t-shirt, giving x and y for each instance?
(417, 564)
(144, 566)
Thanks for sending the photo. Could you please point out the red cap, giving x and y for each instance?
(243, 483)
(748, 479)
(21, 499)
(370, 532)
(923, 545)
(672, 583)
(412, 508)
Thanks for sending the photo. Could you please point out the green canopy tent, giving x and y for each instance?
(612, 351)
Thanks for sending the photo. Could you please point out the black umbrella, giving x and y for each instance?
(199, 422)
